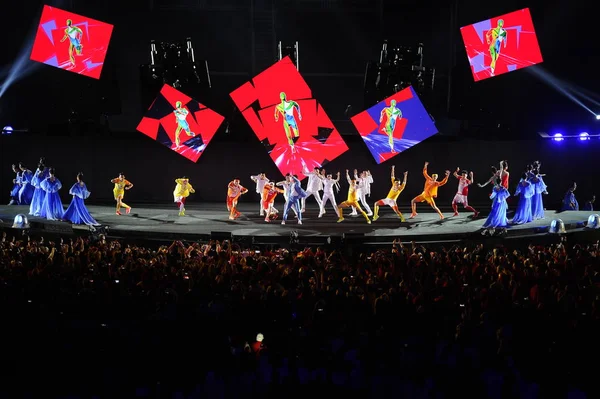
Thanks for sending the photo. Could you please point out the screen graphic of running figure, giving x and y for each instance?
(394, 125)
(502, 44)
(391, 115)
(286, 110)
(71, 42)
(74, 34)
(180, 123)
(181, 115)
(291, 125)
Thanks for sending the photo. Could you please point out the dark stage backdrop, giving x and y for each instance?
(152, 168)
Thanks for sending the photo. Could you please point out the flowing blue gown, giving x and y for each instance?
(77, 213)
(525, 191)
(52, 208)
(26, 191)
(497, 217)
(14, 193)
(570, 199)
(38, 193)
(537, 201)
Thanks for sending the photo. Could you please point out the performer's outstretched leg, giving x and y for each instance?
(435, 208)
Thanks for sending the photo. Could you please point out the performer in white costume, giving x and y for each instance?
(314, 185)
(328, 194)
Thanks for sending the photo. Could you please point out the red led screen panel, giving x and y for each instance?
(71, 42)
(293, 127)
(180, 123)
(501, 44)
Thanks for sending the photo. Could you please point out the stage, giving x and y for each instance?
(202, 221)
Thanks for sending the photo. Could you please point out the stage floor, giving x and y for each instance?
(201, 220)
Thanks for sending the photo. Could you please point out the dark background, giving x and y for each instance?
(480, 123)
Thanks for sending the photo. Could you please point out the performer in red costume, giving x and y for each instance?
(462, 193)
(269, 194)
(234, 191)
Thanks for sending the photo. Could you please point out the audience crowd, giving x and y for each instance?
(91, 317)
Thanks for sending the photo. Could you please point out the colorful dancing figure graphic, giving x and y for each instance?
(286, 110)
(392, 115)
(181, 115)
(495, 37)
(74, 34)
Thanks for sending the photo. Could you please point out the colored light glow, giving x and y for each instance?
(7, 130)
(598, 117)
(584, 136)
(558, 137)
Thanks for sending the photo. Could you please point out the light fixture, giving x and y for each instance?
(7, 130)
(558, 137)
(584, 136)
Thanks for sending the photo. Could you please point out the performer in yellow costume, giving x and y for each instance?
(121, 184)
(352, 200)
(429, 193)
(183, 189)
(390, 200)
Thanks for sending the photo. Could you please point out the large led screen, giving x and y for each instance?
(394, 125)
(293, 127)
(501, 44)
(180, 123)
(71, 42)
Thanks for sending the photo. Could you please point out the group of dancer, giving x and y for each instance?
(40, 190)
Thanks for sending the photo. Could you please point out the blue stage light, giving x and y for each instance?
(7, 130)
(558, 137)
(598, 117)
(584, 136)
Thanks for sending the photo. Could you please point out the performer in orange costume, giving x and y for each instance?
(268, 199)
(234, 191)
(429, 193)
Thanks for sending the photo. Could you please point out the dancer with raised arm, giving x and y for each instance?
(296, 193)
(525, 190)
(364, 180)
(38, 193)
(540, 188)
(52, 208)
(501, 174)
(77, 212)
(314, 185)
(328, 194)
(286, 185)
(269, 194)
(260, 180)
(26, 190)
(352, 200)
(183, 189)
(392, 197)
(234, 191)
(121, 184)
(465, 179)
(497, 217)
(429, 193)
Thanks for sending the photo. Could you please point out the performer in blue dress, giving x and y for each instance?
(525, 190)
(497, 217)
(589, 204)
(537, 201)
(52, 208)
(38, 194)
(77, 212)
(296, 193)
(570, 202)
(14, 193)
(26, 191)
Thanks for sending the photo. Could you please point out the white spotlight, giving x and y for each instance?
(557, 227)
(593, 222)
(20, 222)
(598, 117)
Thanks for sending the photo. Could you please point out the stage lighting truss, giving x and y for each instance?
(558, 137)
(397, 68)
(289, 51)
